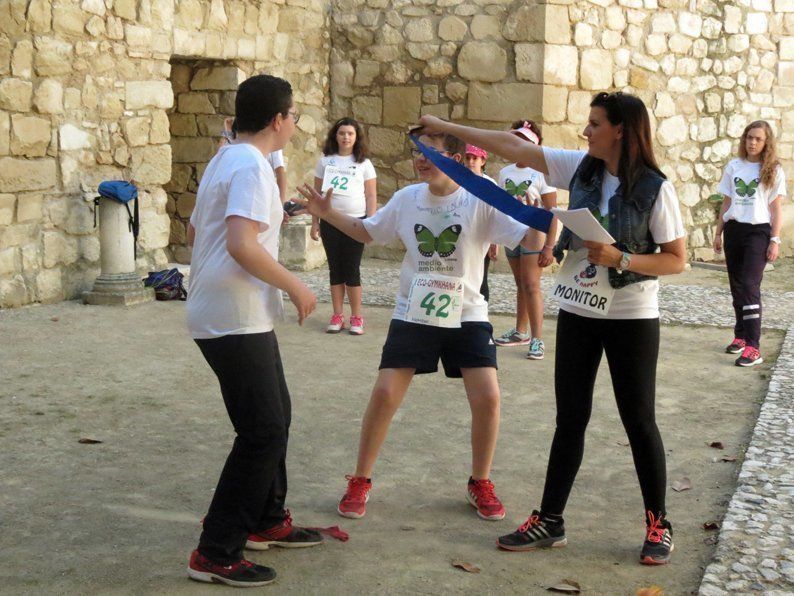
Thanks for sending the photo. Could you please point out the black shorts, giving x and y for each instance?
(411, 345)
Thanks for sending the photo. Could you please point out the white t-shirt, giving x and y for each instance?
(276, 159)
(469, 225)
(356, 204)
(525, 184)
(224, 299)
(750, 199)
(638, 300)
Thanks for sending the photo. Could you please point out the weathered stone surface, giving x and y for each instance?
(71, 138)
(560, 65)
(26, 174)
(22, 59)
(529, 62)
(48, 98)
(195, 103)
(39, 17)
(419, 30)
(438, 68)
(7, 207)
(526, 23)
(452, 28)
(385, 142)
(366, 72)
(15, 94)
(5, 133)
(29, 208)
(152, 164)
(367, 109)
(555, 102)
(485, 27)
(401, 105)
(217, 78)
(52, 57)
(30, 135)
(579, 106)
(672, 131)
(596, 70)
(557, 26)
(159, 132)
(192, 149)
(482, 61)
(456, 91)
(142, 94)
(505, 101)
(183, 125)
(136, 131)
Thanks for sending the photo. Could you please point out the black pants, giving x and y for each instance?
(632, 349)
(253, 484)
(745, 256)
(344, 256)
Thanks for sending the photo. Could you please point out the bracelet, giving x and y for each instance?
(775, 239)
(551, 246)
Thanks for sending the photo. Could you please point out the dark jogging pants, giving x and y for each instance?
(745, 256)
(632, 350)
(252, 488)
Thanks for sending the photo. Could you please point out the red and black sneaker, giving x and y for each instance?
(242, 574)
(353, 503)
(736, 346)
(750, 357)
(284, 535)
(658, 540)
(481, 496)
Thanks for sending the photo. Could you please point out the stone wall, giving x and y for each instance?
(704, 68)
(85, 93)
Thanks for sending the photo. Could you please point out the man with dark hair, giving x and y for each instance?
(234, 302)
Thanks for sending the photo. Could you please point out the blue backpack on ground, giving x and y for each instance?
(167, 284)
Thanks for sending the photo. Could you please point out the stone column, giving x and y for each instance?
(118, 283)
(297, 251)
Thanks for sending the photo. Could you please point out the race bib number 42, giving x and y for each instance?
(346, 181)
(435, 300)
(584, 285)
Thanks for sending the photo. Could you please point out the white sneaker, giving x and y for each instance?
(356, 325)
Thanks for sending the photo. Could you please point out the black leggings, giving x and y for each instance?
(745, 255)
(632, 349)
(344, 256)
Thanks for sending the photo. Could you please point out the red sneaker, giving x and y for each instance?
(284, 535)
(354, 503)
(481, 495)
(736, 346)
(242, 574)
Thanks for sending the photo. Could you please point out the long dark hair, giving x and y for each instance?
(636, 150)
(360, 147)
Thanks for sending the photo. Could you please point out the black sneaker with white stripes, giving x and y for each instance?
(539, 531)
(658, 540)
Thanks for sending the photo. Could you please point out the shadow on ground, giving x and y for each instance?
(122, 516)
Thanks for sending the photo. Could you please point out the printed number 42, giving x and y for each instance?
(429, 304)
(339, 182)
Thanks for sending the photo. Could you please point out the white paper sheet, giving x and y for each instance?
(582, 223)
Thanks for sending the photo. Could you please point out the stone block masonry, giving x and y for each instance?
(93, 90)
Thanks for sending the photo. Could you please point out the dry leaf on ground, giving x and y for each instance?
(650, 591)
(728, 458)
(566, 586)
(55, 319)
(682, 485)
(717, 445)
(86, 441)
(711, 525)
(466, 566)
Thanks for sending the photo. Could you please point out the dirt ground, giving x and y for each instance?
(121, 517)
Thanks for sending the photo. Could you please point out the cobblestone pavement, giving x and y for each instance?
(755, 551)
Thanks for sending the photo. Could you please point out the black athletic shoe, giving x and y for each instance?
(750, 357)
(242, 574)
(658, 540)
(538, 531)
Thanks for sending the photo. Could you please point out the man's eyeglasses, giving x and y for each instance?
(295, 116)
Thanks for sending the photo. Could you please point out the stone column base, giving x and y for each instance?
(297, 250)
(124, 289)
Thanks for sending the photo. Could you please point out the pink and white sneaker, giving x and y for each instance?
(337, 323)
(356, 325)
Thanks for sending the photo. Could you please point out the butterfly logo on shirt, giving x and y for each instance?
(517, 190)
(444, 244)
(745, 189)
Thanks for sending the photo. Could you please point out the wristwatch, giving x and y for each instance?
(625, 262)
(775, 239)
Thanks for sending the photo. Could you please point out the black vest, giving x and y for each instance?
(629, 217)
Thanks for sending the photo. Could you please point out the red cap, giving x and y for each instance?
(476, 151)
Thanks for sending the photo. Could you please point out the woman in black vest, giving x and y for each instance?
(612, 307)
